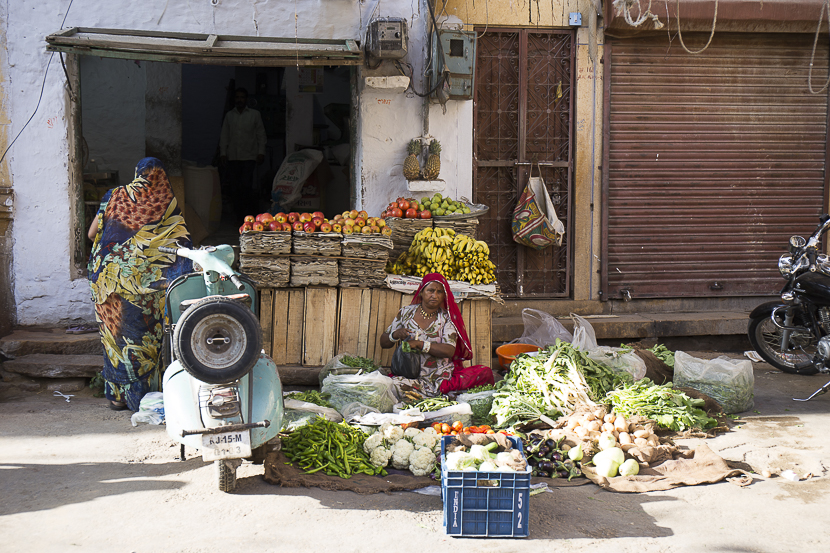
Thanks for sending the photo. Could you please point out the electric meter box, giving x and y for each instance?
(386, 38)
(459, 49)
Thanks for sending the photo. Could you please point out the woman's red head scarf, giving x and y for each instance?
(463, 351)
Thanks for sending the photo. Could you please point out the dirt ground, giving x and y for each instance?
(76, 476)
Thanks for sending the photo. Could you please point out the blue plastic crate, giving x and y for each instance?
(484, 504)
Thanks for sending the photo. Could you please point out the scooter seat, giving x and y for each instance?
(243, 298)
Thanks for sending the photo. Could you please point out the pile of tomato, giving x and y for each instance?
(444, 429)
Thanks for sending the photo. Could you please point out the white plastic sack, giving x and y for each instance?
(150, 409)
(299, 413)
(356, 413)
(730, 382)
(619, 360)
(336, 366)
(541, 329)
(372, 390)
(584, 336)
(480, 404)
(458, 412)
(292, 174)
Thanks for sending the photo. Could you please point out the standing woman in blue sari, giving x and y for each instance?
(128, 276)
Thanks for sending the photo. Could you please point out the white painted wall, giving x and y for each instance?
(39, 161)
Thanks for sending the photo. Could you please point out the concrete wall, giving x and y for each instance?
(7, 312)
(44, 290)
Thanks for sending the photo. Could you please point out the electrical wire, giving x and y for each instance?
(42, 88)
(824, 6)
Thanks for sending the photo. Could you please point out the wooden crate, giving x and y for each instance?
(287, 313)
(276, 243)
(308, 326)
(319, 325)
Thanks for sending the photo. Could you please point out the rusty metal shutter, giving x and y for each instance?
(712, 162)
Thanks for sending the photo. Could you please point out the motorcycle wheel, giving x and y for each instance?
(225, 476)
(765, 338)
(217, 340)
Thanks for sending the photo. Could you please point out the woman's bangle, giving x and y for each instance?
(425, 347)
(393, 339)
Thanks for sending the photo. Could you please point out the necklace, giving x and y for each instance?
(425, 315)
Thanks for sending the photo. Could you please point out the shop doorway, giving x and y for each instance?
(131, 109)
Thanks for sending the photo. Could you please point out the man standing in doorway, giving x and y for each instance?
(241, 149)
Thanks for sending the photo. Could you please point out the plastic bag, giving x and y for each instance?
(373, 390)
(480, 403)
(150, 409)
(541, 329)
(407, 365)
(299, 413)
(336, 366)
(584, 336)
(458, 412)
(619, 360)
(730, 382)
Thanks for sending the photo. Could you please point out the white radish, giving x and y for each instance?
(609, 418)
(593, 425)
(642, 434)
(640, 442)
(624, 438)
(608, 427)
(620, 423)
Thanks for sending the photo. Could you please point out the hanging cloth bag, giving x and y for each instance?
(535, 223)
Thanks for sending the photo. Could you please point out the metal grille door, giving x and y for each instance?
(714, 160)
(523, 106)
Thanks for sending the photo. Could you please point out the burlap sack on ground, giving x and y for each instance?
(698, 466)
(287, 476)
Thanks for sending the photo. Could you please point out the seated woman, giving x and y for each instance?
(433, 326)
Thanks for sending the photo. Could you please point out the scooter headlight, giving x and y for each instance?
(785, 265)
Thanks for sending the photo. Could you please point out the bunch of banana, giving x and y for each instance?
(441, 250)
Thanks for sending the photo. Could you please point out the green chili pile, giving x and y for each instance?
(333, 448)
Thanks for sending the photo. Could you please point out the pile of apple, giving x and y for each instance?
(282, 222)
(349, 222)
(359, 222)
(408, 208)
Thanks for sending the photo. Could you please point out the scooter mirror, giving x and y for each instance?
(796, 243)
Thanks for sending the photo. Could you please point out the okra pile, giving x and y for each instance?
(333, 448)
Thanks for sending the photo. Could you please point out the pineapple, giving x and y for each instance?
(433, 166)
(411, 167)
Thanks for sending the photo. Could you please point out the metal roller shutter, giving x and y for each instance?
(713, 161)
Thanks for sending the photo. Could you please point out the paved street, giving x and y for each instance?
(76, 476)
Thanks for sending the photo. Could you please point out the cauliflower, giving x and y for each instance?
(460, 460)
(430, 430)
(421, 461)
(380, 456)
(411, 432)
(372, 442)
(401, 452)
(392, 434)
(423, 439)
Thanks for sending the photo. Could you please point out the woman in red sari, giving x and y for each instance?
(433, 326)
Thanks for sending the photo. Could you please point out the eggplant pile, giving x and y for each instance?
(547, 458)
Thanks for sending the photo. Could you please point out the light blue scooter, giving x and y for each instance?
(222, 394)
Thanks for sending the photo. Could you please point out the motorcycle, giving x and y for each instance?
(222, 394)
(793, 334)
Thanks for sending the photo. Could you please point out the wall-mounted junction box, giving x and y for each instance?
(459, 58)
(386, 38)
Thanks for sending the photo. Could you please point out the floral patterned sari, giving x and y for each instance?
(128, 276)
(434, 370)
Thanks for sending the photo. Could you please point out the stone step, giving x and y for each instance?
(27, 341)
(641, 326)
(48, 365)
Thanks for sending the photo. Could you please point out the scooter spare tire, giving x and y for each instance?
(217, 340)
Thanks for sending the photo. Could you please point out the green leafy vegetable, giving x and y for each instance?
(671, 408)
(360, 363)
(311, 396)
(551, 383)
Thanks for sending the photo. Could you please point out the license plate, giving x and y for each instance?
(227, 445)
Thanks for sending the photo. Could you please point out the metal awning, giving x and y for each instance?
(205, 49)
